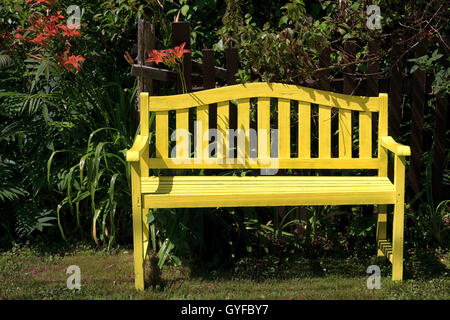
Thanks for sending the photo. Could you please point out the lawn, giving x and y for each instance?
(33, 274)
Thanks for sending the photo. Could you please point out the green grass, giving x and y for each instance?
(32, 274)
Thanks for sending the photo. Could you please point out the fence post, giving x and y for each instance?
(439, 149)
(324, 75)
(231, 56)
(440, 128)
(395, 88)
(181, 33)
(146, 41)
(349, 71)
(209, 79)
(417, 105)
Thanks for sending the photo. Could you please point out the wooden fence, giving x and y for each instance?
(399, 85)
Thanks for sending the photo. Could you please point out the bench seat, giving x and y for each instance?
(231, 191)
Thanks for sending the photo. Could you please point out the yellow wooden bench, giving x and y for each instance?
(235, 191)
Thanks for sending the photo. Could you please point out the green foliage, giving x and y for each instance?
(433, 63)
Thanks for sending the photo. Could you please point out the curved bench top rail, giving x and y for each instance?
(263, 89)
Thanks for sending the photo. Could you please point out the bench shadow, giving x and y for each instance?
(420, 265)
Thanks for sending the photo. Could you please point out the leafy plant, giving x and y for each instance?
(432, 63)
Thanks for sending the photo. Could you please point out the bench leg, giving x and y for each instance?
(145, 233)
(398, 223)
(138, 246)
(381, 227)
(397, 243)
(137, 227)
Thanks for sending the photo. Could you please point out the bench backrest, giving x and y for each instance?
(253, 101)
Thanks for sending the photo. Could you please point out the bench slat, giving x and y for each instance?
(263, 128)
(324, 132)
(182, 133)
(304, 130)
(162, 134)
(345, 133)
(216, 191)
(365, 134)
(243, 126)
(262, 89)
(223, 115)
(202, 132)
(293, 163)
(284, 128)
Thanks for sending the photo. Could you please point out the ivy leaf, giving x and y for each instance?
(184, 10)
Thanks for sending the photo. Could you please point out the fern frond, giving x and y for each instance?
(5, 61)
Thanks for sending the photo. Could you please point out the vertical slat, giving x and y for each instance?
(383, 131)
(324, 132)
(202, 139)
(304, 131)
(263, 128)
(223, 114)
(182, 137)
(365, 135)
(162, 134)
(243, 130)
(284, 128)
(345, 133)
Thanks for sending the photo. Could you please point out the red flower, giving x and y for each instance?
(40, 39)
(51, 30)
(69, 61)
(49, 2)
(167, 56)
(69, 32)
(179, 51)
(156, 56)
(55, 18)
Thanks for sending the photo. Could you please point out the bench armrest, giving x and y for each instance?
(140, 144)
(399, 149)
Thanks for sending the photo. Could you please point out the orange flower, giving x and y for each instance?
(48, 2)
(156, 56)
(40, 39)
(69, 62)
(179, 51)
(69, 32)
(168, 56)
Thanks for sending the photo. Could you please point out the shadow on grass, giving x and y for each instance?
(425, 266)
(417, 265)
